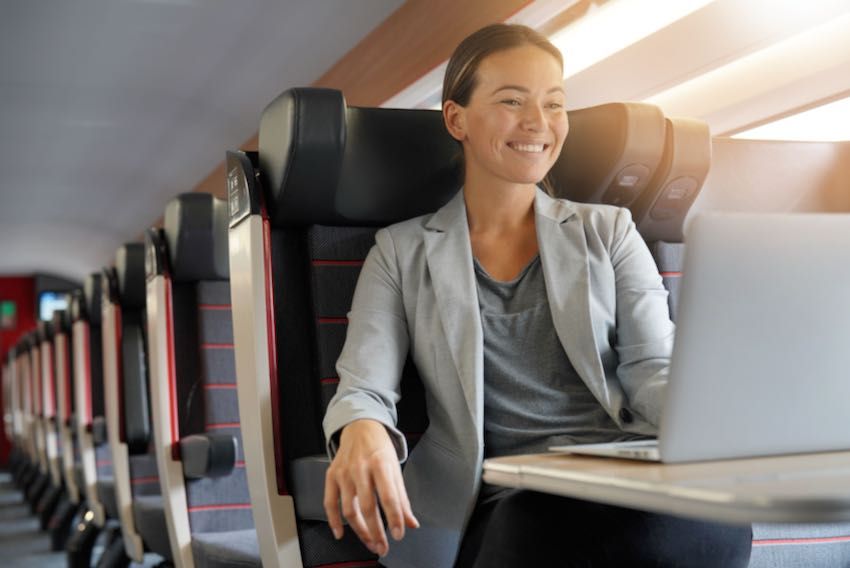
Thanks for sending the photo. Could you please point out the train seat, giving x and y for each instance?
(193, 386)
(95, 455)
(137, 491)
(70, 455)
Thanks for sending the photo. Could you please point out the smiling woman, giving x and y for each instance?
(513, 264)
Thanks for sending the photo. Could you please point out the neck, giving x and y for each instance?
(498, 207)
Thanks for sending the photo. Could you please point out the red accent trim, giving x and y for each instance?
(352, 564)
(815, 540)
(50, 409)
(35, 374)
(329, 380)
(333, 320)
(214, 307)
(222, 425)
(240, 463)
(142, 480)
(670, 274)
(226, 507)
(220, 386)
(68, 383)
(271, 336)
(119, 372)
(216, 346)
(88, 416)
(337, 262)
(172, 373)
(102, 463)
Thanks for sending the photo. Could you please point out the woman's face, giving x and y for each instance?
(515, 123)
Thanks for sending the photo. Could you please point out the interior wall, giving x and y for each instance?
(776, 176)
(22, 292)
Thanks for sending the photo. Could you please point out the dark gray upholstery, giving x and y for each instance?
(106, 495)
(222, 550)
(149, 516)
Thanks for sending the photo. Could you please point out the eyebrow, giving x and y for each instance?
(524, 90)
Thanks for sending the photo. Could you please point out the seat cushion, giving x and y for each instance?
(221, 549)
(106, 495)
(149, 515)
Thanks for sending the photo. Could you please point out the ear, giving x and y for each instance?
(454, 117)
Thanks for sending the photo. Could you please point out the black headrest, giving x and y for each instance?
(44, 331)
(195, 230)
(610, 154)
(61, 322)
(660, 213)
(130, 275)
(327, 164)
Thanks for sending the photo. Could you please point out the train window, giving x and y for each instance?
(48, 302)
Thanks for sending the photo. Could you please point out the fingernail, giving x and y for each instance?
(337, 533)
(397, 534)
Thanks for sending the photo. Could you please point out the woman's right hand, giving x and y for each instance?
(366, 475)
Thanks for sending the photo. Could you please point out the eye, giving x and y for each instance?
(510, 102)
(555, 106)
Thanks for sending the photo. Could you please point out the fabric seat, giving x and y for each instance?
(223, 549)
(149, 514)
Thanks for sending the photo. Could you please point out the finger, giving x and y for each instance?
(409, 519)
(371, 513)
(390, 503)
(351, 511)
(331, 503)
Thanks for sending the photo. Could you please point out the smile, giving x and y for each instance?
(531, 148)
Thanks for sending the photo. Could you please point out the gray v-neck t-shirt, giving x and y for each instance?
(533, 397)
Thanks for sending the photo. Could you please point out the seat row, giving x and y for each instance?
(178, 404)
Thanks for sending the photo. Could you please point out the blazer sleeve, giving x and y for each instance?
(644, 331)
(375, 349)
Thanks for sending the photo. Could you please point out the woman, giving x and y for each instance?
(532, 321)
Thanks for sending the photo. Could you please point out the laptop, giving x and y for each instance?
(761, 360)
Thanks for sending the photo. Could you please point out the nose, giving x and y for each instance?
(534, 118)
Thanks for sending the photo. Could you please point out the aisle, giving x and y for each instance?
(22, 543)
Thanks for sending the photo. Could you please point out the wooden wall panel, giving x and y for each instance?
(417, 37)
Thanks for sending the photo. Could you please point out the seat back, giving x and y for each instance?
(193, 374)
(50, 419)
(126, 388)
(63, 363)
(611, 153)
(95, 455)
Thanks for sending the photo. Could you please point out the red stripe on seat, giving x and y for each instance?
(333, 320)
(103, 463)
(141, 480)
(337, 262)
(214, 386)
(670, 274)
(329, 380)
(240, 463)
(223, 425)
(216, 346)
(214, 307)
(352, 564)
(812, 540)
(225, 507)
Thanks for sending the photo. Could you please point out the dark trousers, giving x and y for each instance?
(526, 528)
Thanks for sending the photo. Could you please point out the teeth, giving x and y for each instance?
(528, 147)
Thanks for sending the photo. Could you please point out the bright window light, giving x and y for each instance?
(826, 123)
(615, 25)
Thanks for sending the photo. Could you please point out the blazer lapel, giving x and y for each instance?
(449, 256)
(563, 254)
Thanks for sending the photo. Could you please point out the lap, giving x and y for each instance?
(526, 528)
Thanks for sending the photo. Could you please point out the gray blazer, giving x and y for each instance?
(417, 293)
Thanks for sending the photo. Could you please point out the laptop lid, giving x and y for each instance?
(761, 362)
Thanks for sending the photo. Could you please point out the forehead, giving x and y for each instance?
(527, 66)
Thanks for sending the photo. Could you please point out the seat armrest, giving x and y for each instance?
(98, 430)
(208, 455)
(308, 484)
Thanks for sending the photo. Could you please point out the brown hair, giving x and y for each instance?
(460, 79)
(461, 74)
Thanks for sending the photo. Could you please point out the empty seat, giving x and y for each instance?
(193, 384)
(126, 399)
(63, 364)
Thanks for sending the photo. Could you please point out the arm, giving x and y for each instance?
(362, 414)
(644, 330)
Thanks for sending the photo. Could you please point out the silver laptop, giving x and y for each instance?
(761, 362)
